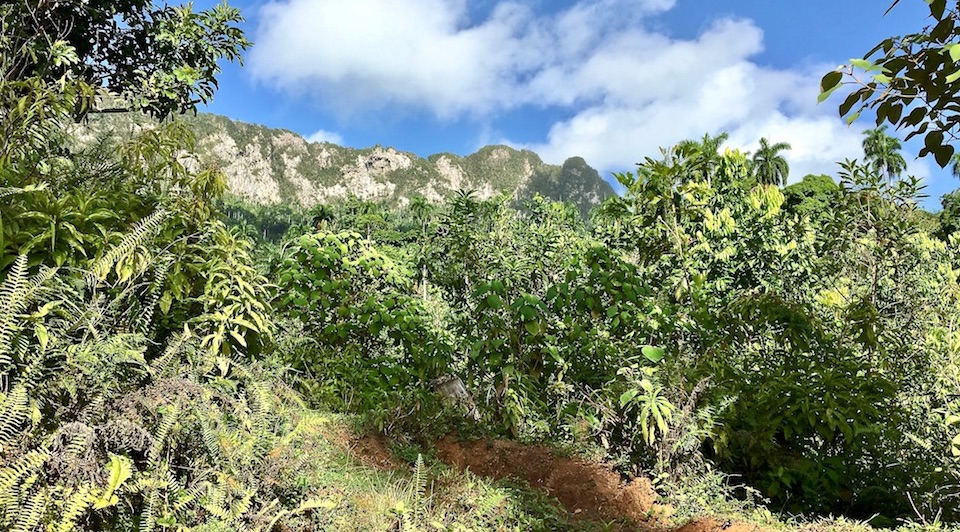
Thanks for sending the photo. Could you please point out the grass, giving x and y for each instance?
(322, 463)
(317, 465)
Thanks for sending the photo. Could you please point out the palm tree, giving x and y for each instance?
(704, 154)
(421, 209)
(883, 152)
(769, 167)
(955, 165)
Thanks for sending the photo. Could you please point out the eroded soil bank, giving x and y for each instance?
(589, 491)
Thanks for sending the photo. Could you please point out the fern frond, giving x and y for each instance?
(286, 395)
(173, 484)
(79, 445)
(147, 518)
(209, 437)
(143, 319)
(11, 304)
(239, 508)
(16, 293)
(93, 408)
(26, 465)
(159, 366)
(30, 513)
(259, 399)
(14, 410)
(74, 509)
(160, 438)
(15, 191)
(215, 501)
(186, 497)
(309, 505)
(419, 478)
(419, 485)
(144, 229)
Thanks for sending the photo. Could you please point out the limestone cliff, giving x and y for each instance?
(265, 165)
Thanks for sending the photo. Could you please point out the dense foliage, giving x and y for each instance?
(131, 315)
(804, 339)
(163, 348)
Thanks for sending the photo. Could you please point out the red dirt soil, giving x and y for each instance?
(590, 491)
(373, 450)
(711, 524)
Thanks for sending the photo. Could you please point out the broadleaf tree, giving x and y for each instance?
(909, 81)
(144, 55)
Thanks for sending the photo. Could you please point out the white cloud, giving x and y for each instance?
(366, 53)
(628, 87)
(325, 136)
(426, 53)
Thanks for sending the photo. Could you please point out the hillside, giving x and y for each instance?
(265, 165)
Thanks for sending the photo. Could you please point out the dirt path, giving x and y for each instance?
(590, 491)
(587, 490)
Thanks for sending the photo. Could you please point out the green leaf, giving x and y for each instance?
(528, 312)
(937, 8)
(826, 94)
(653, 354)
(41, 333)
(863, 64)
(628, 396)
(915, 117)
(552, 292)
(238, 337)
(848, 103)
(646, 385)
(533, 327)
(120, 471)
(943, 155)
(830, 81)
(954, 51)
(895, 112)
(933, 140)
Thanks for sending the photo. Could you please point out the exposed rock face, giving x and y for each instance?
(259, 186)
(266, 165)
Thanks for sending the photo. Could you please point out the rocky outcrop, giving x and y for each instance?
(266, 165)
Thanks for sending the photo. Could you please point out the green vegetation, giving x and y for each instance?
(769, 166)
(883, 152)
(277, 167)
(909, 81)
(172, 358)
(813, 196)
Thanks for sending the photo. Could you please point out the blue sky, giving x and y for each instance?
(608, 80)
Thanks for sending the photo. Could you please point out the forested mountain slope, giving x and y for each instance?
(268, 166)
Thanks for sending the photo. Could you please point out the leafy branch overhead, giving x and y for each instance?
(143, 55)
(911, 82)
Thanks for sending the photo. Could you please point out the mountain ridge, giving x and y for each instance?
(269, 165)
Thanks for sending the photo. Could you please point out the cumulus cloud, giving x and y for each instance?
(378, 52)
(325, 136)
(627, 87)
(427, 53)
